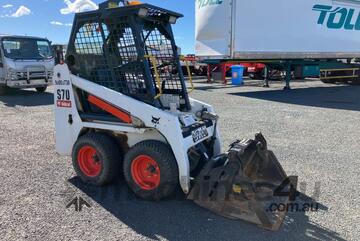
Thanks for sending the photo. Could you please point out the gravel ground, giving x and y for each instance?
(313, 129)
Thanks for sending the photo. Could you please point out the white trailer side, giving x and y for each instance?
(277, 29)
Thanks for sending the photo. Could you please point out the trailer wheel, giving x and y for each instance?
(96, 158)
(327, 81)
(356, 82)
(151, 171)
(41, 89)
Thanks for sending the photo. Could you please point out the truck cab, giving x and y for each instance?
(25, 62)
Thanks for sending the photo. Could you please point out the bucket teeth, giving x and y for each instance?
(242, 185)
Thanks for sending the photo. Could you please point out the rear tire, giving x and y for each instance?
(41, 89)
(151, 171)
(96, 158)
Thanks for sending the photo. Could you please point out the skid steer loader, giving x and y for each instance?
(122, 105)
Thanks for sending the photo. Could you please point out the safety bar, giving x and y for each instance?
(189, 73)
(157, 76)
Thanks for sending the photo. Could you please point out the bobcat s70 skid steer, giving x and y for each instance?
(122, 106)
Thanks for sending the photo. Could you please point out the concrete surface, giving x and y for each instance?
(313, 129)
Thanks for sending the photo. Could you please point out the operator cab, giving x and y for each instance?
(131, 50)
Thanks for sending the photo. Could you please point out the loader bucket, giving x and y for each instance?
(241, 184)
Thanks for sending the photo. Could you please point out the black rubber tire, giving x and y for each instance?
(164, 157)
(356, 82)
(41, 89)
(108, 152)
(328, 81)
(3, 90)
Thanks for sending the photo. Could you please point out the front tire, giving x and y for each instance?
(41, 89)
(96, 158)
(3, 90)
(151, 171)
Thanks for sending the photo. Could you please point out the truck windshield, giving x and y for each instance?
(26, 48)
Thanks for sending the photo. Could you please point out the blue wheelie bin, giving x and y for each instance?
(237, 75)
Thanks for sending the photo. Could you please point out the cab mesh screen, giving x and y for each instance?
(157, 45)
(107, 54)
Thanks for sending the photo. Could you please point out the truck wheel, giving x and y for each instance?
(151, 171)
(41, 89)
(96, 158)
(3, 90)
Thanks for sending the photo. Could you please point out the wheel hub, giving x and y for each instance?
(145, 172)
(89, 162)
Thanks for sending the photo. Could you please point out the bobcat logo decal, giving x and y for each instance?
(155, 121)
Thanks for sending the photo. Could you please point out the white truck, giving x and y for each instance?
(277, 29)
(25, 62)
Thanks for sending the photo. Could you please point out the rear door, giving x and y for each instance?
(213, 28)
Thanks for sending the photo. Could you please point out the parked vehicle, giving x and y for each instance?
(280, 29)
(284, 35)
(196, 68)
(25, 62)
(134, 117)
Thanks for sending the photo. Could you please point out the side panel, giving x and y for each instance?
(297, 29)
(213, 28)
(67, 120)
(167, 124)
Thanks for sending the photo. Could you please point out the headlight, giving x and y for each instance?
(11, 74)
(172, 19)
(143, 12)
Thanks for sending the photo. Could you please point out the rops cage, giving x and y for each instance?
(129, 49)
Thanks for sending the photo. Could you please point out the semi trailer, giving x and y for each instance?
(25, 62)
(281, 34)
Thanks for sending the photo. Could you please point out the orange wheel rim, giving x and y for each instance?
(89, 162)
(145, 172)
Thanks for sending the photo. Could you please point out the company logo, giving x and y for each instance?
(204, 3)
(78, 203)
(338, 17)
